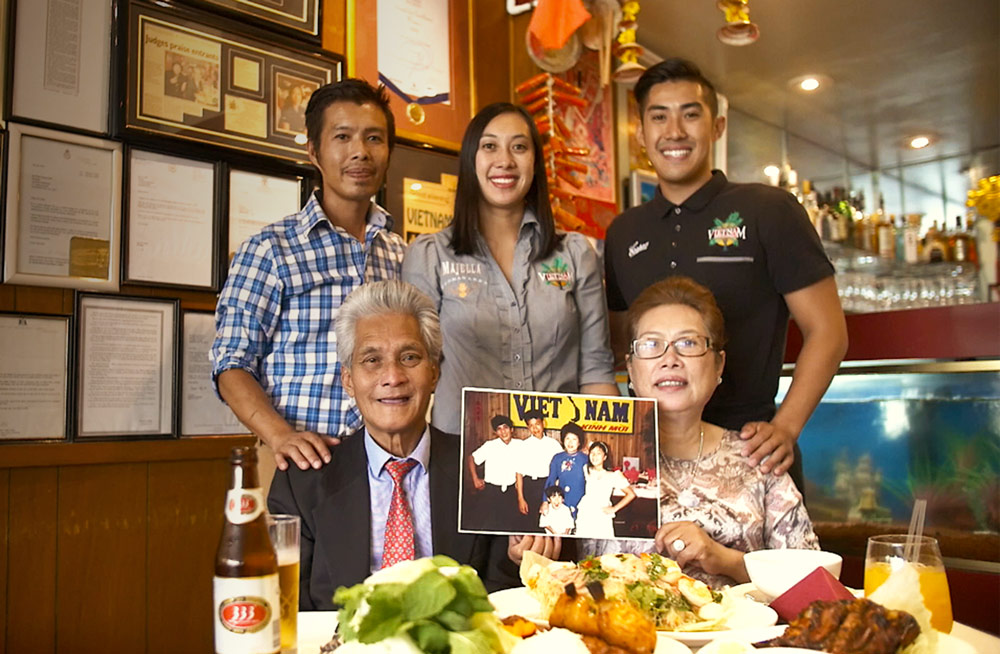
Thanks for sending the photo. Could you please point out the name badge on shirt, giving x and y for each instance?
(556, 273)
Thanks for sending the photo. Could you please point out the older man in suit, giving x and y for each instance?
(391, 493)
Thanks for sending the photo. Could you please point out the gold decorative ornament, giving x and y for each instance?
(628, 50)
(738, 29)
(416, 113)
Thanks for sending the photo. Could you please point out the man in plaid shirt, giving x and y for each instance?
(275, 351)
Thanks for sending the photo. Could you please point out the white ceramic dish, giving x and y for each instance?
(775, 571)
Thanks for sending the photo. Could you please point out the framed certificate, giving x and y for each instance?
(171, 231)
(34, 377)
(420, 50)
(126, 380)
(60, 64)
(257, 200)
(63, 209)
(189, 79)
(202, 412)
(301, 18)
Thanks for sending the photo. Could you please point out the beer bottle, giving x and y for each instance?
(247, 608)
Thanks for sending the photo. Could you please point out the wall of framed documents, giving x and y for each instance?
(142, 143)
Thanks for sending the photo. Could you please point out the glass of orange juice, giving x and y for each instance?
(887, 554)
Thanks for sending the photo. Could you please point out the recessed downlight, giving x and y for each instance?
(921, 141)
(772, 171)
(809, 84)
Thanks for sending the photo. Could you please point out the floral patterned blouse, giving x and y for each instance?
(736, 504)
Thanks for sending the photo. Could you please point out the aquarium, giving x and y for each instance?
(886, 434)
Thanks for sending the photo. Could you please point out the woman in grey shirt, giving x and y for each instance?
(522, 307)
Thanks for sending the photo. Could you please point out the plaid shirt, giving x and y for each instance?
(276, 312)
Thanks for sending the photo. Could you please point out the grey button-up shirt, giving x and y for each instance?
(547, 330)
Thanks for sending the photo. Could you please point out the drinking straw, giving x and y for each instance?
(911, 550)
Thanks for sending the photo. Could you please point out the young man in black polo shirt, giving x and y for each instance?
(752, 245)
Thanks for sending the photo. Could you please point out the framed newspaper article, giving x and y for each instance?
(558, 463)
(60, 63)
(300, 18)
(190, 79)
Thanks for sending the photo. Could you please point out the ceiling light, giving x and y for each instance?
(772, 171)
(918, 142)
(809, 84)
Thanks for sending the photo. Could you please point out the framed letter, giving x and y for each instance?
(126, 376)
(171, 233)
(257, 200)
(420, 50)
(190, 79)
(63, 209)
(34, 377)
(202, 412)
(62, 63)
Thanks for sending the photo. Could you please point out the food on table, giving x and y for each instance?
(426, 606)
(520, 627)
(553, 641)
(857, 626)
(652, 583)
(617, 622)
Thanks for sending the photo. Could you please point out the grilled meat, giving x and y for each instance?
(616, 622)
(857, 626)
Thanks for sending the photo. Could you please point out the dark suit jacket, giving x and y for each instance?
(335, 506)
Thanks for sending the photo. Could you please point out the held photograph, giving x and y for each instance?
(558, 463)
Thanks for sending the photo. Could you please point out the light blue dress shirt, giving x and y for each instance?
(418, 493)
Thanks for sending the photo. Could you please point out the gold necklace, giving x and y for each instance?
(687, 497)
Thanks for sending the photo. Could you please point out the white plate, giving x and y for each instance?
(316, 628)
(750, 621)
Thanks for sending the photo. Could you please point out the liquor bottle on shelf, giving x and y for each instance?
(961, 244)
(911, 239)
(935, 245)
(886, 237)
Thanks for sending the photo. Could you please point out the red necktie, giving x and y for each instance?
(398, 543)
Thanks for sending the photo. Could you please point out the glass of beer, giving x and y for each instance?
(284, 530)
(887, 555)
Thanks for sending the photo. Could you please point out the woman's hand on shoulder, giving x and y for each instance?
(688, 544)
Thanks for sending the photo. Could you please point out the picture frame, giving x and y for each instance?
(127, 359)
(642, 187)
(66, 231)
(172, 226)
(299, 18)
(37, 351)
(256, 199)
(202, 413)
(59, 71)
(422, 116)
(189, 77)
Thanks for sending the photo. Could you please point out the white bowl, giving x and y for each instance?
(775, 571)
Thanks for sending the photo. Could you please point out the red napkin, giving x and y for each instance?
(817, 585)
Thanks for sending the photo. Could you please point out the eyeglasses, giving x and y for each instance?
(652, 347)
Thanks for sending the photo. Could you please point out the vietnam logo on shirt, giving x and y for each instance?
(556, 274)
(728, 232)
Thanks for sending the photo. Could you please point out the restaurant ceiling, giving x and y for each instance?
(899, 67)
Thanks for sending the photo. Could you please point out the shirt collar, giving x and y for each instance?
(696, 201)
(312, 215)
(378, 457)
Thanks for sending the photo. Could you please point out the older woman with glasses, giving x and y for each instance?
(714, 505)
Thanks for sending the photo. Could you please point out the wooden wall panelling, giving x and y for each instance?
(521, 65)
(4, 561)
(101, 562)
(31, 579)
(490, 38)
(32, 299)
(6, 297)
(334, 28)
(185, 520)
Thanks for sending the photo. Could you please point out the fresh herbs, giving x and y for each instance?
(655, 567)
(441, 606)
(592, 570)
(658, 604)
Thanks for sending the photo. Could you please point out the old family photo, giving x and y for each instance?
(563, 464)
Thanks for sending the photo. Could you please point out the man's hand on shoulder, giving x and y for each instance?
(767, 440)
(305, 449)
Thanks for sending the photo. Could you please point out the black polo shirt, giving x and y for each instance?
(750, 244)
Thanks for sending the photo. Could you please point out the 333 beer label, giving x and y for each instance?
(244, 505)
(247, 616)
